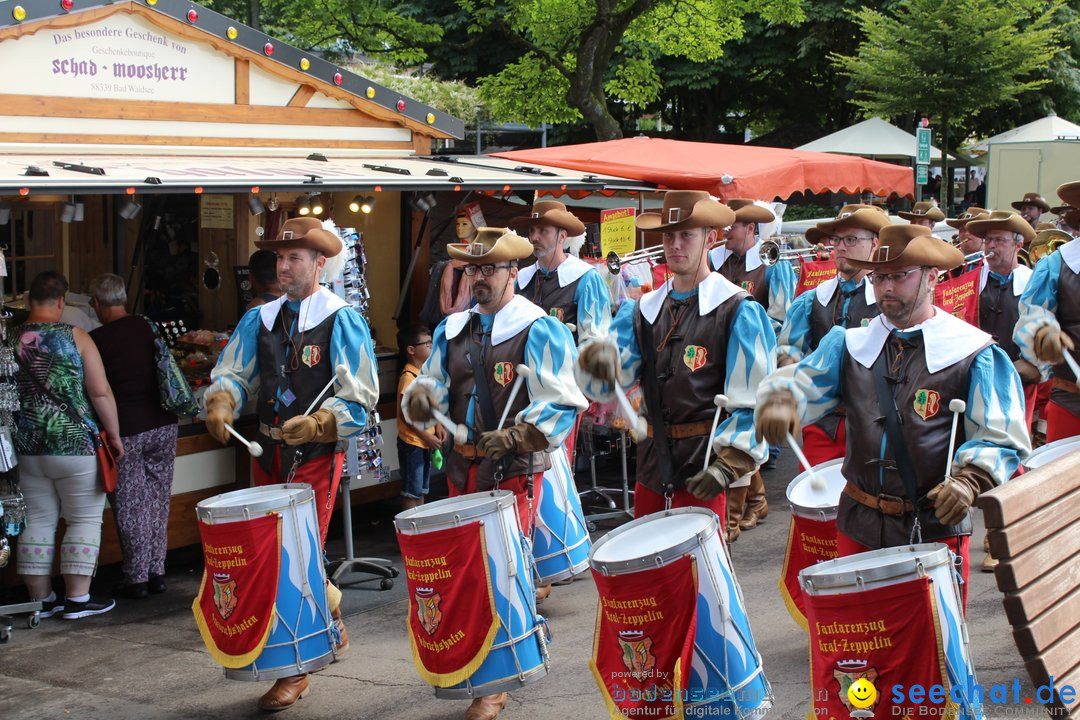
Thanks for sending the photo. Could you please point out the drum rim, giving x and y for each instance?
(812, 513)
(1048, 447)
(299, 493)
(507, 684)
(818, 577)
(282, 671)
(497, 500)
(667, 556)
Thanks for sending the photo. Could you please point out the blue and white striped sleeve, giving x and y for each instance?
(815, 382)
(593, 301)
(994, 423)
(623, 337)
(794, 337)
(434, 376)
(554, 397)
(782, 283)
(356, 371)
(750, 360)
(1038, 308)
(237, 368)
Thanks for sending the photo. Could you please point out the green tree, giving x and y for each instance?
(951, 59)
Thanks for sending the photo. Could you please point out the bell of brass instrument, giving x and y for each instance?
(1031, 256)
(615, 263)
(771, 253)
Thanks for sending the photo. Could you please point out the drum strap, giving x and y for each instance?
(652, 406)
(488, 418)
(887, 407)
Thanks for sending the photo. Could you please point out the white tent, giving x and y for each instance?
(873, 138)
(1050, 127)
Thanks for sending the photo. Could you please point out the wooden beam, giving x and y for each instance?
(242, 70)
(303, 94)
(151, 140)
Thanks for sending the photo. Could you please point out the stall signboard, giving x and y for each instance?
(216, 212)
(122, 57)
(617, 231)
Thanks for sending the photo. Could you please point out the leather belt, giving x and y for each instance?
(1067, 385)
(469, 451)
(274, 433)
(685, 430)
(884, 504)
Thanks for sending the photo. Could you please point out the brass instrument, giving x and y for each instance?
(771, 253)
(615, 263)
(1031, 256)
(971, 259)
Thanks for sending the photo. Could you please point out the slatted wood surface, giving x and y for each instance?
(1034, 527)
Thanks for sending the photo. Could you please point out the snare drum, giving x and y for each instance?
(1052, 451)
(812, 532)
(855, 575)
(518, 655)
(726, 668)
(560, 542)
(301, 637)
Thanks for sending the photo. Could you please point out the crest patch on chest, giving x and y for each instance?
(927, 403)
(695, 357)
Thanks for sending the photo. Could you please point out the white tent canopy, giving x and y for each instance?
(873, 138)
(1050, 127)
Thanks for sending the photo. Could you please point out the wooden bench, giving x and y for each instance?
(1034, 527)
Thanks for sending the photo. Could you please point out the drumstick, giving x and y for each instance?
(522, 373)
(957, 408)
(319, 396)
(638, 427)
(460, 432)
(253, 447)
(719, 401)
(571, 327)
(816, 483)
(1072, 364)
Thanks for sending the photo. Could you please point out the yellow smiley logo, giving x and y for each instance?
(862, 693)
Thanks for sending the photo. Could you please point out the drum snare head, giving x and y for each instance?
(655, 539)
(884, 566)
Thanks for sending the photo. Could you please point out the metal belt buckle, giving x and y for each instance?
(889, 498)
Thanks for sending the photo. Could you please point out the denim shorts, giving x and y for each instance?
(415, 470)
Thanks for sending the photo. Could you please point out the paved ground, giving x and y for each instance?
(145, 659)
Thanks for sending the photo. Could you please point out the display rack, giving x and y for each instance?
(591, 446)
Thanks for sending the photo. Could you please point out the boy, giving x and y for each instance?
(414, 445)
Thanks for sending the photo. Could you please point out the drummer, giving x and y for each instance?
(696, 335)
(470, 376)
(916, 358)
(845, 301)
(282, 354)
(1049, 325)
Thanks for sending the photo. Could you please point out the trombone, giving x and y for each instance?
(654, 252)
(969, 260)
(771, 253)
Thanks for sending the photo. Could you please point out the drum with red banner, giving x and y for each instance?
(892, 617)
(672, 637)
(472, 622)
(261, 607)
(812, 533)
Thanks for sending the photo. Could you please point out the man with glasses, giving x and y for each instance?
(896, 377)
(282, 354)
(694, 337)
(846, 301)
(470, 378)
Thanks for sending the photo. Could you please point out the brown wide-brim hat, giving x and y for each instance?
(1002, 220)
(1070, 193)
(972, 213)
(305, 233)
(866, 218)
(1061, 209)
(904, 246)
(491, 245)
(923, 211)
(684, 210)
(748, 212)
(549, 212)
(1037, 200)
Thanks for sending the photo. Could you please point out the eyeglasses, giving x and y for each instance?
(848, 240)
(485, 270)
(422, 344)
(895, 278)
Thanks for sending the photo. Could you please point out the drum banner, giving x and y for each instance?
(644, 639)
(452, 616)
(814, 272)
(809, 542)
(235, 605)
(889, 636)
(959, 296)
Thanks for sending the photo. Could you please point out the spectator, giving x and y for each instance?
(58, 468)
(263, 267)
(414, 445)
(145, 474)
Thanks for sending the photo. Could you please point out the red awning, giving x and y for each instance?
(726, 171)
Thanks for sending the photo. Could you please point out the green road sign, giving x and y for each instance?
(922, 146)
(922, 174)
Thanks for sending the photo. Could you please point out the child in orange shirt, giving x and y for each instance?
(414, 445)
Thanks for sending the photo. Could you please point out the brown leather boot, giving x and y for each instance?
(339, 623)
(736, 501)
(988, 563)
(486, 708)
(757, 507)
(285, 693)
(542, 592)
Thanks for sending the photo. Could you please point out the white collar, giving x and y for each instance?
(712, 291)
(514, 317)
(719, 256)
(1070, 255)
(1020, 277)
(313, 309)
(827, 289)
(947, 340)
(569, 270)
